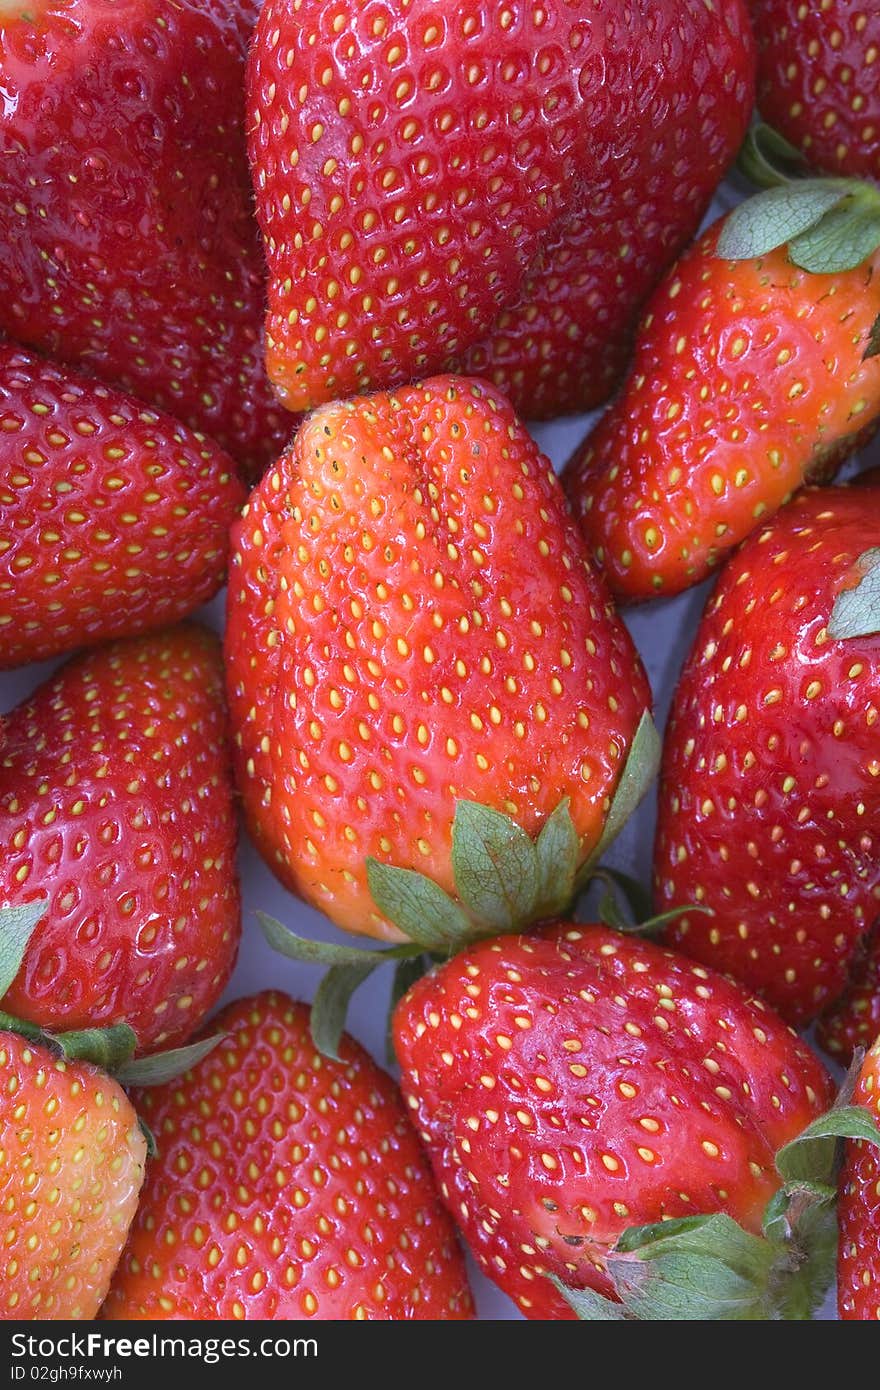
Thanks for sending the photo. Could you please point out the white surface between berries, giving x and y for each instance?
(663, 632)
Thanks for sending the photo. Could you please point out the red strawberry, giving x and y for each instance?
(853, 1020)
(413, 626)
(71, 1165)
(858, 1268)
(116, 802)
(492, 189)
(287, 1186)
(819, 79)
(113, 520)
(572, 1084)
(770, 791)
(129, 245)
(750, 377)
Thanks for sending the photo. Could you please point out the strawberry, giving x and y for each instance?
(750, 377)
(129, 245)
(415, 639)
(489, 189)
(769, 799)
(853, 1020)
(819, 81)
(116, 804)
(573, 1084)
(858, 1266)
(82, 468)
(71, 1165)
(287, 1186)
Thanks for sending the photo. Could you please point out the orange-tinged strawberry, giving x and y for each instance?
(287, 1186)
(113, 519)
(750, 377)
(71, 1166)
(116, 804)
(487, 188)
(413, 629)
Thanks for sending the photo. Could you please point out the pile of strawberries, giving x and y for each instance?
(280, 284)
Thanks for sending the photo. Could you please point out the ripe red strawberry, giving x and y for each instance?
(413, 626)
(575, 1083)
(853, 1020)
(113, 520)
(287, 1186)
(819, 79)
(129, 244)
(858, 1267)
(769, 800)
(492, 189)
(71, 1165)
(116, 802)
(750, 377)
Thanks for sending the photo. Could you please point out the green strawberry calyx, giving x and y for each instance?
(830, 225)
(856, 611)
(709, 1268)
(112, 1048)
(504, 879)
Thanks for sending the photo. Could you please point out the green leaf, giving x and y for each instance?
(302, 948)
(776, 215)
(406, 973)
(769, 160)
(166, 1066)
(842, 240)
(107, 1048)
(653, 925)
(330, 1006)
(418, 907)
(495, 866)
(856, 611)
(639, 771)
(637, 896)
(787, 1204)
(609, 913)
(873, 346)
(31, 1031)
(704, 1268)
(149, 1136)
(17, 925)
(811, 1157)
(708, 1267)
(558, 849)
(589, 1305)
(638, 1238)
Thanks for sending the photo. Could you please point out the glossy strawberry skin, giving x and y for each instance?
(572, 1083)
(288, 1186)
(412, 621)
(72, 1161)
(853, 1020)
(491, 190)
(749, 378)
(768, 798)
(130, 247)
(819, 80)
(858, 1210)
(116, 803)
(113, 520)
